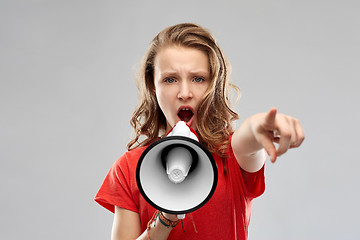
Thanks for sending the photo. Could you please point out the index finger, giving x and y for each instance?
(270, 119)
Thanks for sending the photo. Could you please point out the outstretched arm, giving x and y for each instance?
(259, 133)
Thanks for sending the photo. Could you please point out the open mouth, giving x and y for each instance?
(185, 114)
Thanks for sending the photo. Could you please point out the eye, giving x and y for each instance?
(198, 79)
(169, 80)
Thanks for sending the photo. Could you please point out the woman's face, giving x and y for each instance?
(181, 78)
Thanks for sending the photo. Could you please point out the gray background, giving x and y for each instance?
(67, 94)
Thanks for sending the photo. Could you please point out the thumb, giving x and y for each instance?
(269, 147)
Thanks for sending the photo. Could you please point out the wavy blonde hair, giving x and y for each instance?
(214, 113)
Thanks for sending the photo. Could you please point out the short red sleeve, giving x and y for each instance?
(117, 188)
(254, 182)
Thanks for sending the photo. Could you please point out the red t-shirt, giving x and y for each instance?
(225, 216)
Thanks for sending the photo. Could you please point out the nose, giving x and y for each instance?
(185, 91)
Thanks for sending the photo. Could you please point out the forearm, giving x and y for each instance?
(248, 151)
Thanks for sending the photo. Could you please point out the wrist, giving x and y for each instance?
(171, 217)
(167, 220)
(156, 229)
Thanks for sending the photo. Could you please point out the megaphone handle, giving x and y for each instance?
(181, 216)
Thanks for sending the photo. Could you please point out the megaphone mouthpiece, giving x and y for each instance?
(178, 164)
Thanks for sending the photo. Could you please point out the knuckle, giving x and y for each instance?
(286, 134)
(301, 138)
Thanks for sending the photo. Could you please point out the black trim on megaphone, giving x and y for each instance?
(182, 138)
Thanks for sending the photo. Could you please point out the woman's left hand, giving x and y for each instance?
(272, 127)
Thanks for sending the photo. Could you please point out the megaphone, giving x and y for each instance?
(177, 174)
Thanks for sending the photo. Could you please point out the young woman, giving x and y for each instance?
(184, 76)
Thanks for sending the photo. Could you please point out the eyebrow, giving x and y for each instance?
(200, 72)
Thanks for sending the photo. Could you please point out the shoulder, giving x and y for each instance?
(135, 153)
(132, 155)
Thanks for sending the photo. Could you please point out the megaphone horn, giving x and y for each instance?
(177, 174)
